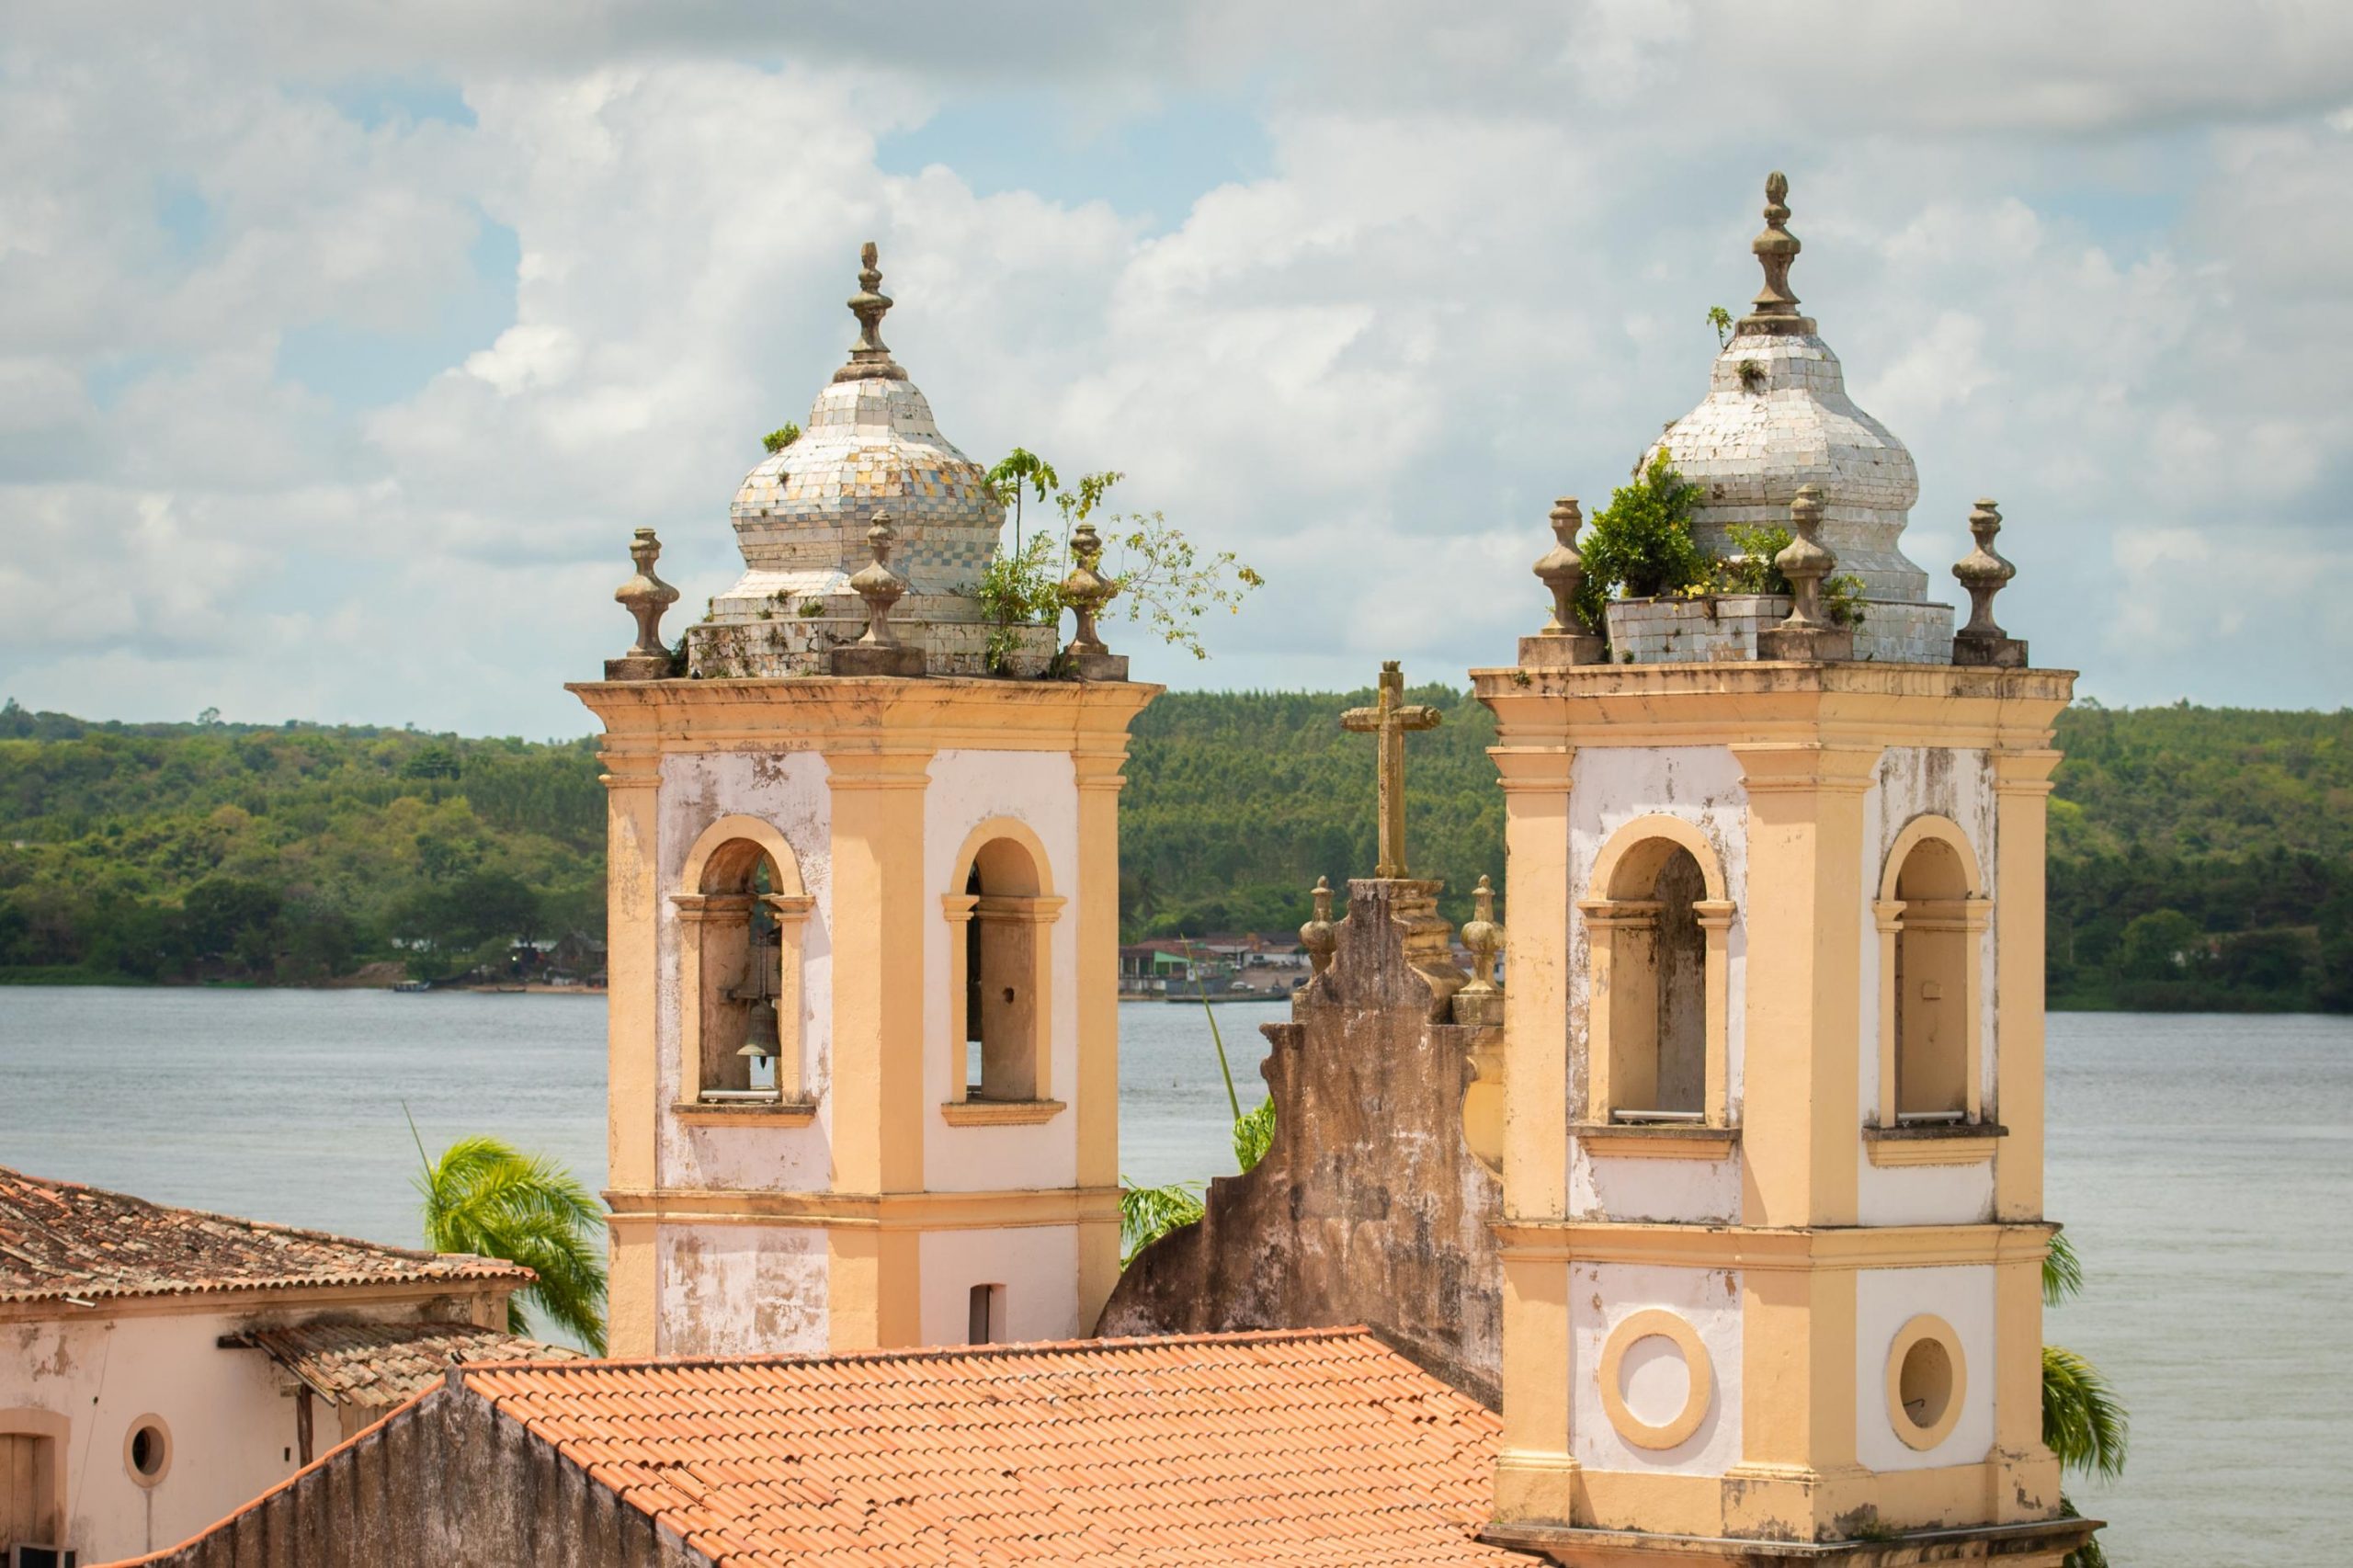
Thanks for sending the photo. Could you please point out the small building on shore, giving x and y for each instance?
(160, 1366)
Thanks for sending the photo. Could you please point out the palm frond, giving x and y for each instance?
(1148, 1213)
(483, 1196)
(2063, 1271)
(2083, 1421)
(1254, 1134)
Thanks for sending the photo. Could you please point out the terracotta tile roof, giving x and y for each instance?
(1305, 1448)
(59, 1239)
(379, 1365)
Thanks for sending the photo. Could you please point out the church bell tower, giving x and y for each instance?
(862, 905)
(1773, 1224)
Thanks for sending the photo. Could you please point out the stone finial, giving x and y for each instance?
(879, 652)
(1809, 632)
(1774, 308)
(646, 596)
(870, 358)
(1983, 572)
(1087, 591)
(1565, 639)
(1481, 1001)
(1560, 569)
(1317, 935)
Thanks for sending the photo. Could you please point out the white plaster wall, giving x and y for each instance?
(788, 791)
(230, 1414)
(1887, 1299)
(1039, 790)
(1609, 787)
(1673, 1191)
(1601, 1295)
(1036, 1264)
(1915, 782)
(741, 1289)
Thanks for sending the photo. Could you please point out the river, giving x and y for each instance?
(2204, 1167)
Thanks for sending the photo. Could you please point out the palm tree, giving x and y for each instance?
(484, 1196)
(2083, 1421)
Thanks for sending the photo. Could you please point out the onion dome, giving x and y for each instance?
(802, 518)
(1777, 416)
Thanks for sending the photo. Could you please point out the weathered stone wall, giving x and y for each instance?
(446, 1480)
(1367, 1208)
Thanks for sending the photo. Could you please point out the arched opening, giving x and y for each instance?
(739, 991)
(1931, 990)
(1932, 916)
(1656, 1015)
(1001, 993)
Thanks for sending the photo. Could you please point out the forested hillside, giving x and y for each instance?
(2200, 857)
(292, 854)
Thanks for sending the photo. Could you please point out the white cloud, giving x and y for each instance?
(1470, 277)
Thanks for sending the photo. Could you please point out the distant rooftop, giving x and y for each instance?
(379, 1365)
(60, 1239)
(1312, 1448)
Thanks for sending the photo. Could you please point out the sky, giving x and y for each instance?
(343, 344)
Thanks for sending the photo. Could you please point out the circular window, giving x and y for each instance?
(1927, 1377)
(147, 1449)
(1656, 1379)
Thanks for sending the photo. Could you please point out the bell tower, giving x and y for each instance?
(863, 905)
(1773, 1220)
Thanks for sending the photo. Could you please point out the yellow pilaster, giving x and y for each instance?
(1535, 1476)
(2022, 794)
(632, 1054)
(1805, 893)
(1096, 1097)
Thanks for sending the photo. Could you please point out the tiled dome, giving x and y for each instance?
(803, 518)
(870, 445)
(1777, 416)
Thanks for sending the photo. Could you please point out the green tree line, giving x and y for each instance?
(291, 853)
(2200, 859)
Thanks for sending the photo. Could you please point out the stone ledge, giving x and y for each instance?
(1960, 1143)
(1584, 1545)
(744, 1113)
(999, 1113)
(1654, 1140)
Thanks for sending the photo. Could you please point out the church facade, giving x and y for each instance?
(1711, 1233)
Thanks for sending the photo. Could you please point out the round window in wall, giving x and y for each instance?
(147, 1449)
(1926, 1379)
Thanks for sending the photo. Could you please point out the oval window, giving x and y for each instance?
(147, 1449)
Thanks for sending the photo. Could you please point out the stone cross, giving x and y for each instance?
(1388, 720)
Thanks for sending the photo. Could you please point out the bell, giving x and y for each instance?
(759, 1031)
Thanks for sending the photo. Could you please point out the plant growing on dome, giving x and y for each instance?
(1017, 589)
(782, 436)
(1163, 580)
(1640, 545)
(1753, 569)
(1721, 319)
(1022, 470)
